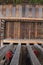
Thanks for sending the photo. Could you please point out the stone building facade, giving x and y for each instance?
(21, 21)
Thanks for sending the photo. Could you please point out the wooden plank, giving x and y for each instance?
(39, 48)
(22, 18)
(5, 50)
(15, 59)
(33, 58)
(2, 48)
(7, 29)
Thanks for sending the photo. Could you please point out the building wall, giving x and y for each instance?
(21, 29)
(24, 30)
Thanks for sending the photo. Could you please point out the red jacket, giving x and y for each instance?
(36, 52)
(8, 55)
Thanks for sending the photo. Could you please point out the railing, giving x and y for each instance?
(27, 11)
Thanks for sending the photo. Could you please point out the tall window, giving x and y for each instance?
(30, 12)
(33, 12)
(7, 11)
(27, 11)
(40, 11)
(13, 11)
(23, 11)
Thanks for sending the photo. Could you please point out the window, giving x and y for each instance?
(33, 12)
(7, 11)
(23, 11)
(30, 12)
(26, 11)
(13, 11)
(40, 11)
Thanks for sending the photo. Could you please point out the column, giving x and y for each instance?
(17, 10)
(10, 9)
(16, 29)
(0, 32)
(30, 11)
(29, 30)
(37, 11)
(7, 29)
(42, 11)
(19, 30)
(35, 30)
(4, 10)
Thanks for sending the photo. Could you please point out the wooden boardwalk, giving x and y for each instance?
(23, 41)
(22, 54)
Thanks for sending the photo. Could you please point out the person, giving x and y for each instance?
(8, 56)
(36, 52)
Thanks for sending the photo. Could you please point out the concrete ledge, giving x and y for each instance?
(34, 41)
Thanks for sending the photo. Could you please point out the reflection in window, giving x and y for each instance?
(7, 11)
(40, 12)
(30, 12)
(20, 11)
(13, 11)
(26, 11)
(23, 11)
(33, 11)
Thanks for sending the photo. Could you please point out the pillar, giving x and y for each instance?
(29, 30)
(19, 30)
(35, 30)
(4, 10)
(30, 11)
(42, 11)
(16, 29)
(0, 32)
(37, 11)
(17, 10)
(7, 29)
(10, 9)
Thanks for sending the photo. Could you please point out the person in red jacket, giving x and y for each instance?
(36, 52)
(8, 56)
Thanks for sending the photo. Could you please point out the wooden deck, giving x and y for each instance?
(31, 41)
(21, 18)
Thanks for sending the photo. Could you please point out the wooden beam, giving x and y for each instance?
(33, 58)
(22, 18)
(16, 57)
